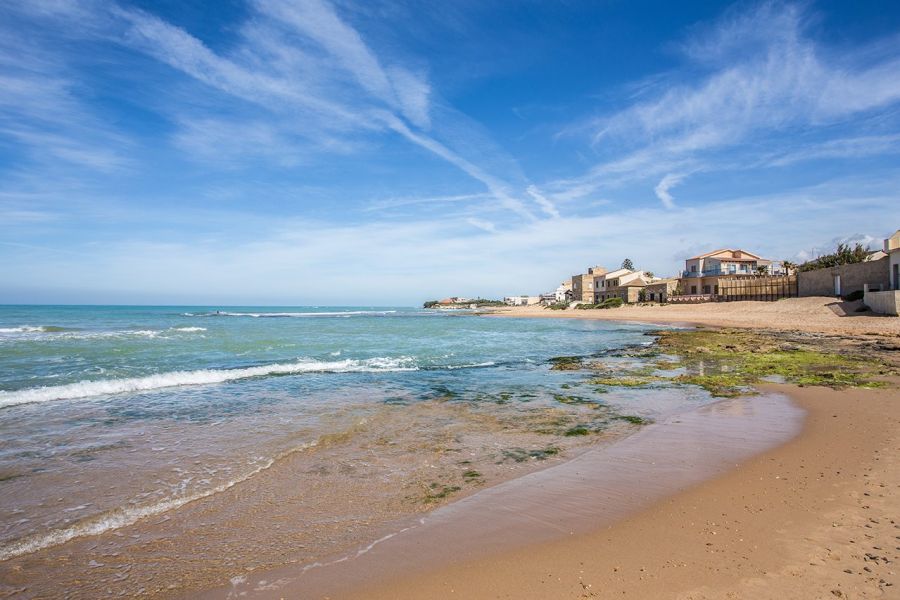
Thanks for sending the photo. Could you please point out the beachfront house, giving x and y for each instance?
(583, 285)
(702, 273)
(522, 300)
(564, 292)
(659, 291)
(548, 298)
(621, 283)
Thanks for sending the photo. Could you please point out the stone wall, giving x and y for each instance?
(853, 277)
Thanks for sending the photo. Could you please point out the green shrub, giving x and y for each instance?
(611, 303)
(843, 255)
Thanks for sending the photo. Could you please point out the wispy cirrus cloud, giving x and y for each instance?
(323, 89)
(662, 189)
(41, 113)
(763, 78)
(384, 98)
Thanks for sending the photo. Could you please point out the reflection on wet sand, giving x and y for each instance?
(598, 487)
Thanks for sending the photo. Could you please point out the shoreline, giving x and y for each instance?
(549, 505)
(810, 518)
(811, 513)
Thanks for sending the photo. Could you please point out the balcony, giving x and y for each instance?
(717, 272)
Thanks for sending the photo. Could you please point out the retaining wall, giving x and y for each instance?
(820, 282)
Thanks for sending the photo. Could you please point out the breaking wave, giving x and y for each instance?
(102, 387)
(32, 329)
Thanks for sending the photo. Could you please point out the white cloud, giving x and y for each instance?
(762, 77)
(546, 205)
(411, 261)
(662, 189)
(482, 224)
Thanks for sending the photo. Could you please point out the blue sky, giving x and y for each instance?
(316, 152)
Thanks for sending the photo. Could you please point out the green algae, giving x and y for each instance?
(727, 362)
(624, 381)
(437, 492)
(566, 363)
(576, 400)
(720, 385)
(633, 419)
(576, 431)
(521, 455)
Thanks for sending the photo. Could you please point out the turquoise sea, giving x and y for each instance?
(116, 417)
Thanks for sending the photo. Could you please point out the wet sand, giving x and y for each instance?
(814, 518)
(553, 506)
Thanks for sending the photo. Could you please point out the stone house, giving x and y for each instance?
(659, 291)
(583, 285)
(621, 283)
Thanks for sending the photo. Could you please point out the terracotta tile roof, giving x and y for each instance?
(732, 251)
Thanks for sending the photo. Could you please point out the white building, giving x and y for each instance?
(522, 300)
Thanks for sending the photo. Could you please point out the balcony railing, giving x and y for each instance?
(715, 272)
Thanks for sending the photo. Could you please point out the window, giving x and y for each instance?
(705, 289)
(693, 289)
(693, 268)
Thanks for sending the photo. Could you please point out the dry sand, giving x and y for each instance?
(818, 517)
(818, 314)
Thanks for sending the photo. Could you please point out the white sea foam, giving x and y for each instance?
(123, 517)
(189, 329)
(89, 388)
(21, 329)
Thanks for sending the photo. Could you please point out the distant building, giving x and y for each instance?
(522, 300)
(549, 298)
(564, 292)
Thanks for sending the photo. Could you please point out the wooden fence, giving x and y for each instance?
(757, 287)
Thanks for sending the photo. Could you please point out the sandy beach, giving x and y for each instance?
(814, 518)
(811, 517)
(814, 315)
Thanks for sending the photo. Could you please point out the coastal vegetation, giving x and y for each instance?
(843, 255)
(608, 303)
(462, 303)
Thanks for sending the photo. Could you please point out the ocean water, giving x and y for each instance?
(113, 418)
